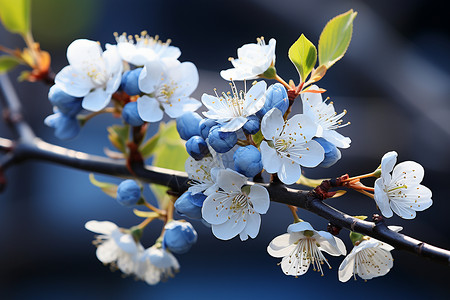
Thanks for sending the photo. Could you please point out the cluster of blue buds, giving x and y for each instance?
(190, 205)
(64, 120)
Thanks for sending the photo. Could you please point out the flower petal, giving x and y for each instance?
(336, 138)
(259, 197)
(96, 100)
(216, 208)
(346, 268)
(381, 198)
(255, 98)
(289, 171)
(234, 124)
(103, 227)
(253, 221)
(388, 162)
(230, 181)
(270, 158)
(72, 82)
(280, 246)
(151, 76)
(408, 172)
(230, 228)
(179, 107)
(148, 109)
(82, 54)
(107, 252)
(272, 124)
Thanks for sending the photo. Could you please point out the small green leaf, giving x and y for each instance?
(109, 189)
(118, 136)
(15, 15)
(169, 153)
(8, 62)
(258, 138)
(149, 146)
(335, 38)
(303, 55)
(145, 214)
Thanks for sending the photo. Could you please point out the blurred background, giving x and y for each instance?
(394, 81)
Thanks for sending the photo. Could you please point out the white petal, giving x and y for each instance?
(259, 197)
(295, 266)
(253, 221)
(330, 244)
(230, 228)
(309, 154)
(148, 109)
(124, 241)
(255, 98)
(82, 53)
(388, 162)
(177, 108)
(185, 75)
(234, 124)
(103, 227)
(408, 173)
(289, 171)
(272, 124)
(96, 100)
(381, 198)
(302, 125)
(346, 268)
(280, 246)
(270, 159)
(151, 76)
(237, 74)
(310, 100)
(73, 82)
(216, 208)
(230, 181)
(107, 252)
(300, 227)
(336, 138)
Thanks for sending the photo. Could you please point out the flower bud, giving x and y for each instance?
(130, 82)
(179, 236)
(66, 104)
(130, 114)
(128, 193)
(190, 205)
(276, 96)
(252, 125)
(221, 141)
(247, 161)
(66, 127)
(332, 153)
(188, 125)
(197, 147)
(205, 126)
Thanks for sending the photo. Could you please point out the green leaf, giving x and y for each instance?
(303, 55)
(258, 138)
(7, 63)
(149, 146)
(109, 189)
(15, 15)
(335, 38)
(118, 136)
(169, 153)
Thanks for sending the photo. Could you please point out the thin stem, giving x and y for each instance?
(147, 221)
(294, 214)
(282, 81)
(84, 118)
(155, 209)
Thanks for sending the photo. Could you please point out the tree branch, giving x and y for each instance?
(30, 147)
(178, 182)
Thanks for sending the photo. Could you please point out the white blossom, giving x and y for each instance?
(253, 60)
(203, 174)
(234, 210)
(369, 258)
(168, 87)
(401, 192)
(232, 109)
(155, 265)
(303, 246)
(325, 117)
(115, 247)
(146, 48)
(289, 145)
(91, 74)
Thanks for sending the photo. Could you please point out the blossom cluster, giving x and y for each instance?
(240, 135)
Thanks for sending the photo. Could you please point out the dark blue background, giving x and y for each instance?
(394, 82)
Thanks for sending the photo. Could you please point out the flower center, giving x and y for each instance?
(239, 201)
(307, 251)
(166, 91)
(97, 75)
(329, 119)
(233, 101)
(282, 145)
(144, 41)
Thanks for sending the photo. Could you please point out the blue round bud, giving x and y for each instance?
(179, 237)
(276, 96)
(205, 126)
(130, 82)
(220, 141)
(252, 125)
(187, 125)
(66, 127)
(197, 147)
(190, 205)
(332, 153)
(66, 104)
(130, 114)
(247, 161)
(128, 193)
